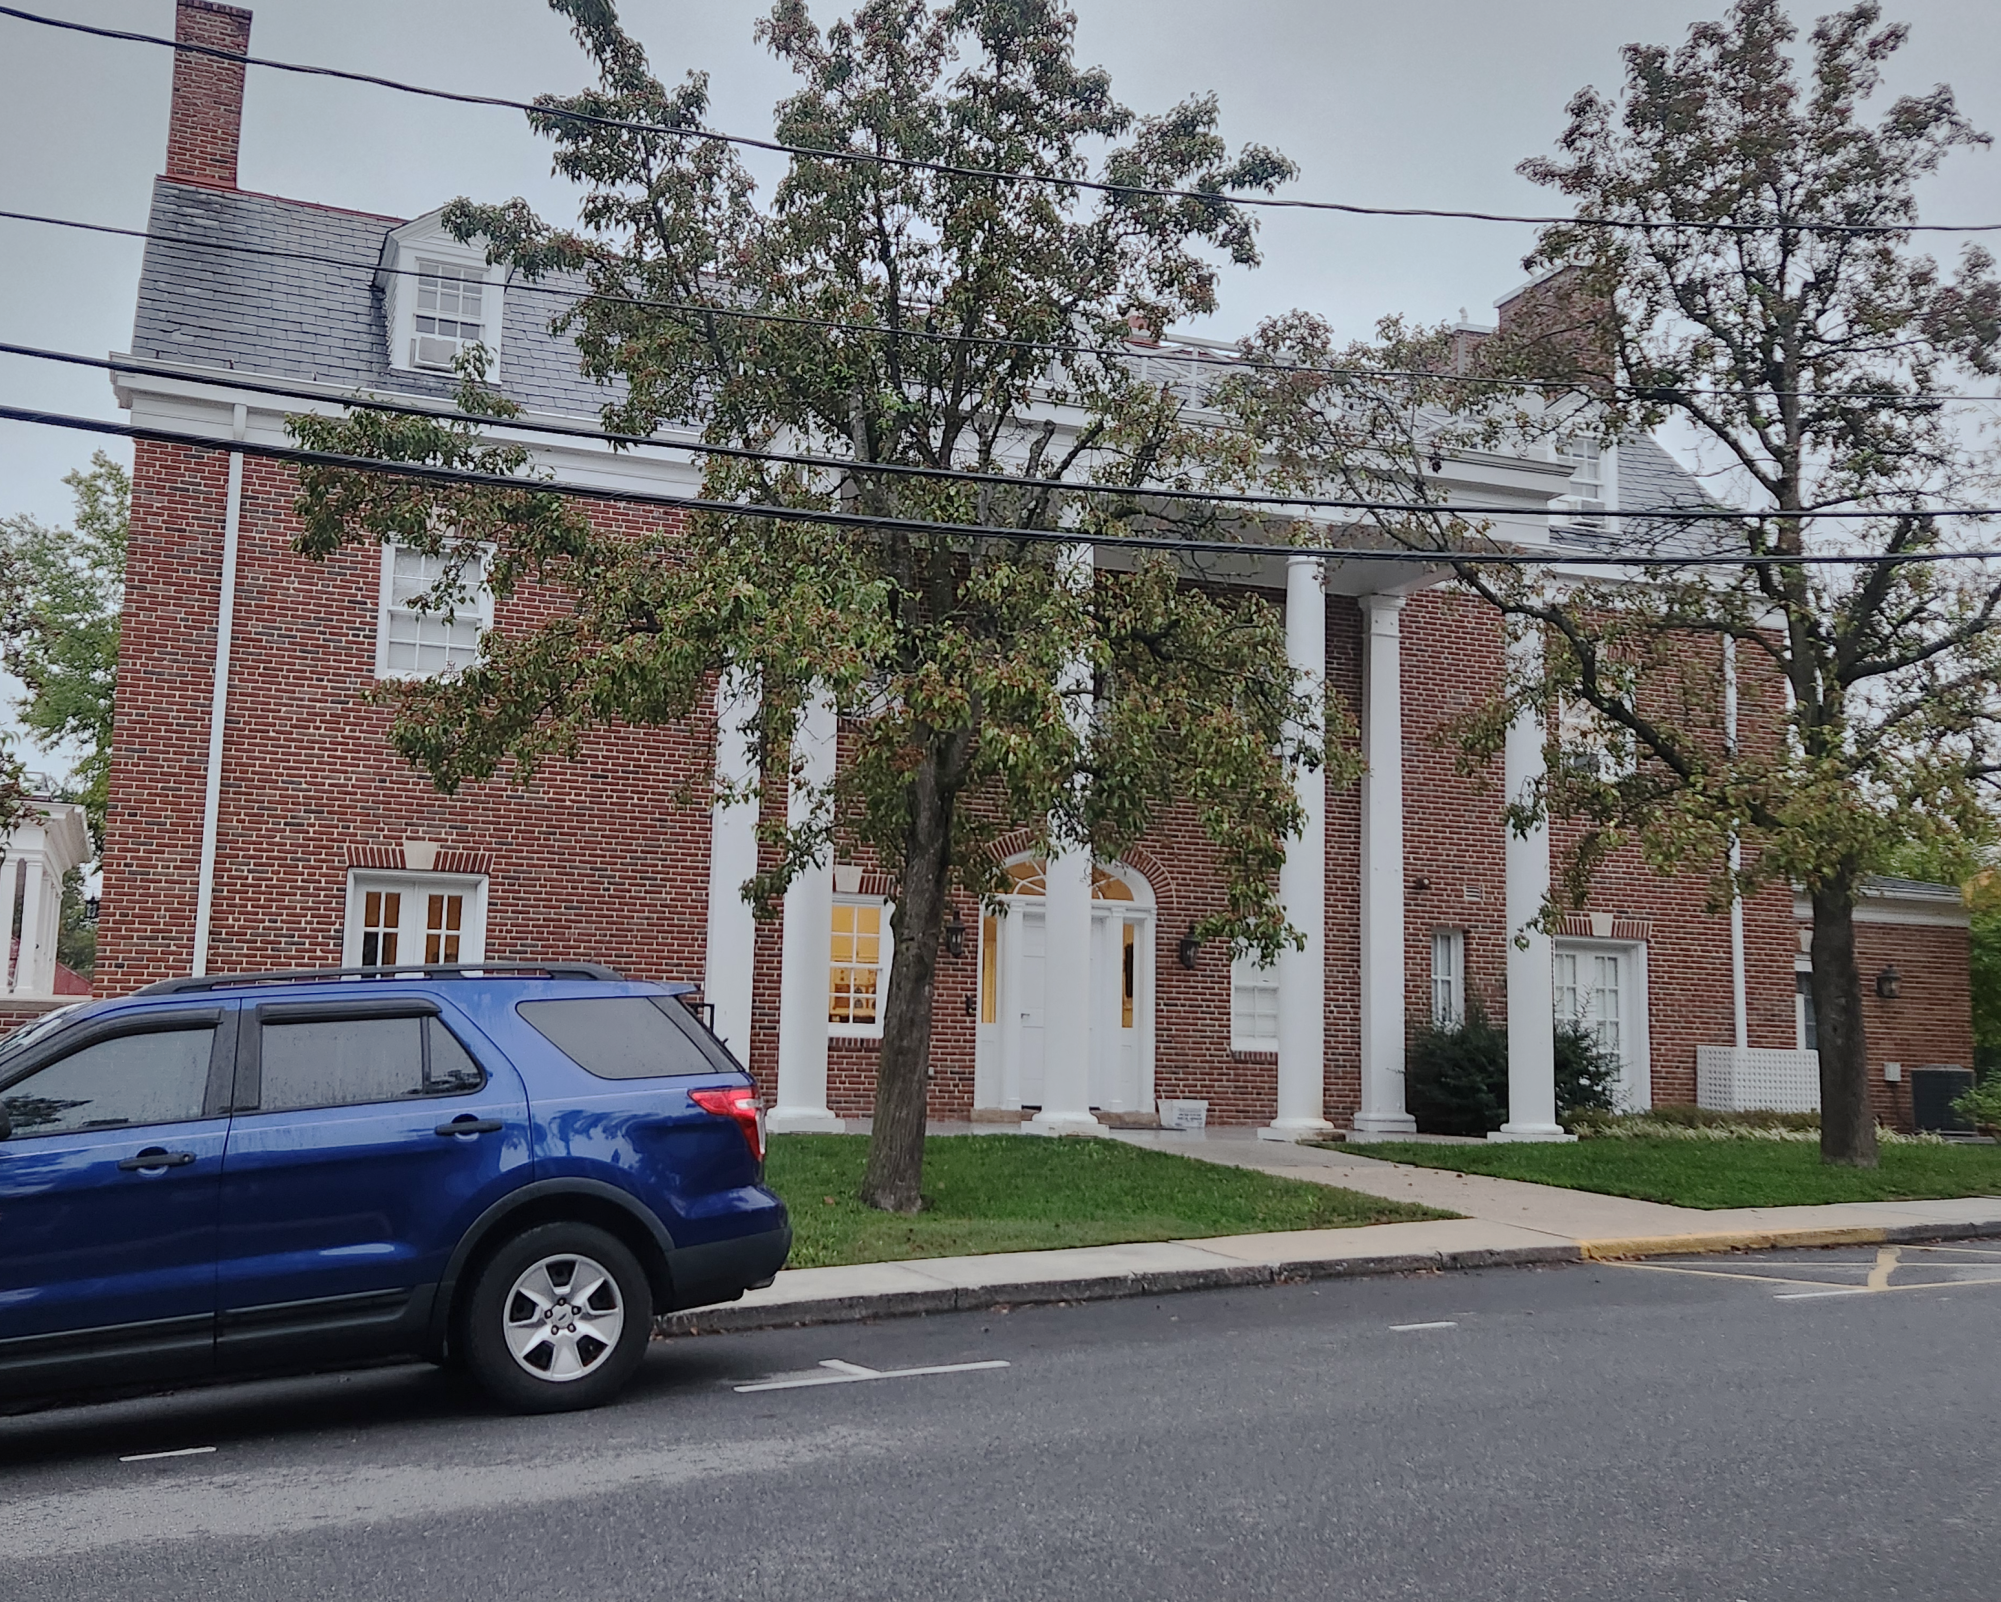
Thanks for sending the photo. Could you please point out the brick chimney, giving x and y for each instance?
(206, 122)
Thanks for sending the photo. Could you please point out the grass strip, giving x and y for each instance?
(1012, 1193)
(1721, 1173)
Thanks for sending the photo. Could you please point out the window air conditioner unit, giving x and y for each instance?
(429, 351)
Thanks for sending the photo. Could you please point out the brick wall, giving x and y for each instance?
(599, 858)
(1929, 1024)
(205, 123)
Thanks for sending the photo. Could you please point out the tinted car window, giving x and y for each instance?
(448, 1066)
(340, 1062)
(159, 1078)
(627, 1037)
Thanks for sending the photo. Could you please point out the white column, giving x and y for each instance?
(1382, 969)
(1066, 967)
(1531, 1005)
(730, 951)
(1739, 1002)
(35, 964)
(1302, 886)
(808, 950)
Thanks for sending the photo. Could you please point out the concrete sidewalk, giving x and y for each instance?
(1504, 1221)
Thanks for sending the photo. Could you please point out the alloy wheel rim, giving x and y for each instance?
(563, 1318)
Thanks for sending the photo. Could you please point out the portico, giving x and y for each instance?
(1067, 993)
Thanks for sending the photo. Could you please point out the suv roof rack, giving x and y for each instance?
(453, 970)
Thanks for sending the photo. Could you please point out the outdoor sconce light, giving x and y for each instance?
(1889, 982)
(1189, 949)
(955, 936)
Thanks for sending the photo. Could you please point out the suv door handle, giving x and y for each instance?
(157, 1157)
(466, 1124)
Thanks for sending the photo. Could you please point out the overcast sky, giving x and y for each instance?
(1416, 102)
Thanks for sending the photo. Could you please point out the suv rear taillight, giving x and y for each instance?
(740, 1103)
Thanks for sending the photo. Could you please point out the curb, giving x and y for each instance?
(734, 1319)
(728, 1319)
(1751, 1240)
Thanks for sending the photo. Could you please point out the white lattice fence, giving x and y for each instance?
(1753, 1078)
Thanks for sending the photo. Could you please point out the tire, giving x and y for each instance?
(532, 1350)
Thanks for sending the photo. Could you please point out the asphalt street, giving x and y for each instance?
(1792, 1425)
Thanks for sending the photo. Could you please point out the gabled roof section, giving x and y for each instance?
(278, 317)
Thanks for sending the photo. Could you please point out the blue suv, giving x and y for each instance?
(507, 1169)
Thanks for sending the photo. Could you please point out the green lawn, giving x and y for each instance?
(1011, 1193)
(1721, 1173)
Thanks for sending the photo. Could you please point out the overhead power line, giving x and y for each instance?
(229, 378)
(1458, 557)
(954, 170)
(1220, 361)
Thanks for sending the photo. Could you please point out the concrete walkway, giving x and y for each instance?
(1502, 1221)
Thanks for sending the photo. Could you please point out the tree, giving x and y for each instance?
(65, 591)
(72, 585)
(1766, 297)
(881, 316)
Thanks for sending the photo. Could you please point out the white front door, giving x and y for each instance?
(1603, 988)
(1010, 1006)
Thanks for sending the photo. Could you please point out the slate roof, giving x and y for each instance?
(287, 318)
(279, 317)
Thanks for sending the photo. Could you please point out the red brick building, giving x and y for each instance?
(259, 819)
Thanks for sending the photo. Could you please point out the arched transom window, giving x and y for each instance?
(1030, 877)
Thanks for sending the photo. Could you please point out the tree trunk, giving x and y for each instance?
(895, 1172)
(1847, 1127)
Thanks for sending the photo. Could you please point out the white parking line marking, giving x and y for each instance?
(1443, 1323)
(1814, 1296)
(148, 1457)
(855, 1374)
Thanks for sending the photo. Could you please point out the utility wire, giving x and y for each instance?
(1222, 361)
(953, 170)
(228, 378)
(1458, 557)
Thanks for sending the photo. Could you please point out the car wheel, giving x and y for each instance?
(557, 1320)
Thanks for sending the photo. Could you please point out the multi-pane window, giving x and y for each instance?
(1805, 1029)
(381, 927)
(418, 637)
(858, 968)
(1448, 977)
(449, 317)
(1253, 1006)
(1588, 991)
(1587, 500)
(422, 919)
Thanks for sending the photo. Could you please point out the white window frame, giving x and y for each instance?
(436, 274)
(885, 953)
(1591, 744)
(1802, 969)
(1448, 977)
(415, 888)
(1248, 974)
(479, 604)
(1594, 482)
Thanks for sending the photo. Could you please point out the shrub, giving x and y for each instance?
(1981, 1106)
(1456, 1075)
(1586, 1073)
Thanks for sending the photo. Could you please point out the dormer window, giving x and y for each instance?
(1592, 490)
(448, 317)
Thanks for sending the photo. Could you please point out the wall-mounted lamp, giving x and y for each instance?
(1889, 982)
(955, 936)
(1189, 949)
